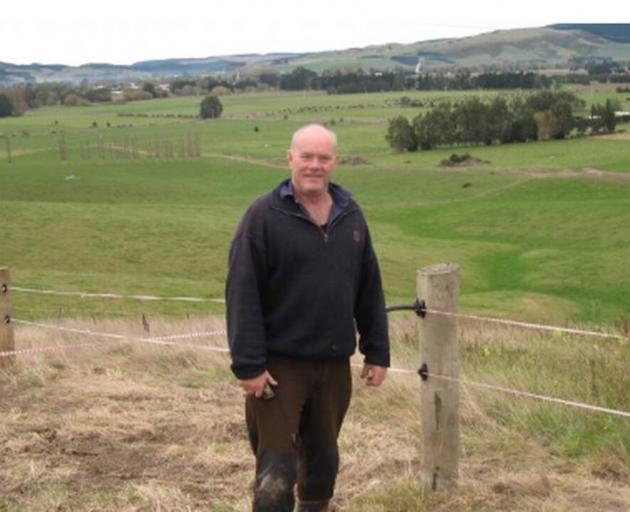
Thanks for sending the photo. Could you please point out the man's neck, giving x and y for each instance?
(314, 200)
(318, 205)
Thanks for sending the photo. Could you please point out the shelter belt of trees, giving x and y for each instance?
(540, 116)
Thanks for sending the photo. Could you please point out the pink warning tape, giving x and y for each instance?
(165, 340)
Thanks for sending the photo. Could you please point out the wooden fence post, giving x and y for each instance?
(438, 285)
(63, 150)
(7, 141)
(6, 326)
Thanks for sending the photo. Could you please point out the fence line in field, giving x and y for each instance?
(166, 341)
(466, 316)
(437, 334)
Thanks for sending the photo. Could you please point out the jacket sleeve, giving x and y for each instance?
(370, 314)
(244, 299)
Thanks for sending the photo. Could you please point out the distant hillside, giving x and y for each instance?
(617, 32)
(524, 49)
(211, 64)
(13, 74)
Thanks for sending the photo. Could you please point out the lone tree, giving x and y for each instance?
(6, 107)
(210, 107)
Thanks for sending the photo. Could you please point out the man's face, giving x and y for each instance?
(312, 159)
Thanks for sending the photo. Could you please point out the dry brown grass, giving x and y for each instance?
(134, 427)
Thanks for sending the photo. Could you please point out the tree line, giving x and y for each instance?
(340, 82)
(23, 97)
(14, 101)
(471, 121)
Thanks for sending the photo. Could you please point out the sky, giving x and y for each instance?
(123, 32)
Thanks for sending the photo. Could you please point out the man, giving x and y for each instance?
(302, 271)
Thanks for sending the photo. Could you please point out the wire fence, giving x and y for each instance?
(170, 340)
(529, 325)
(503, 321)
(161, 340)
(107, 295)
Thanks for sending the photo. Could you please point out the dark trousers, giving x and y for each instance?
(294, 434)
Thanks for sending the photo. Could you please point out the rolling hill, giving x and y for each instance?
(530, 48)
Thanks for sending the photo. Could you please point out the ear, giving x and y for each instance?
(289, 156)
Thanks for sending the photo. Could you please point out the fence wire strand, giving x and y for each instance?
(529, 325)
(85, 295)
(514, 392)
(165, 340)
(534, 396)
(468, 316)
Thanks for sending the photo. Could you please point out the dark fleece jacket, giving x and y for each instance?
(296, 289)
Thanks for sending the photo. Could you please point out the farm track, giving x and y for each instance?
(244, 159)
(586, 174)
(233, 158)
(530, 174)
(24, 152)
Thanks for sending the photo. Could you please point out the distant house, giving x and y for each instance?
(619, 114)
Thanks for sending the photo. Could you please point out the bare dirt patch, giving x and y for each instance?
(352, 160)
(465, 160)
(585, 173)
(616, 136)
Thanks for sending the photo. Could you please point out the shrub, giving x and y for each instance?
(136, 94)
(221, 90)
(400, 134)
(74, 100)
(210, 107)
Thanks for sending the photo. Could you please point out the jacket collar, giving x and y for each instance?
(340, 196)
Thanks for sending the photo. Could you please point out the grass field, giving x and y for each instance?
(539, 231)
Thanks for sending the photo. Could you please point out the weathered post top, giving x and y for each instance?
(440, 268)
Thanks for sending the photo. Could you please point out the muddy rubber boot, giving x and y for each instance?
(312, 506)
(276, 474)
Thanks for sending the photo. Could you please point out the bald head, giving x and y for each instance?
(312, 158)
(313, 130)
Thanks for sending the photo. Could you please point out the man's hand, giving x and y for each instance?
(373, 375)
(256, 386)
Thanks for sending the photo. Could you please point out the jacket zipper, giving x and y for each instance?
(310, 221)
